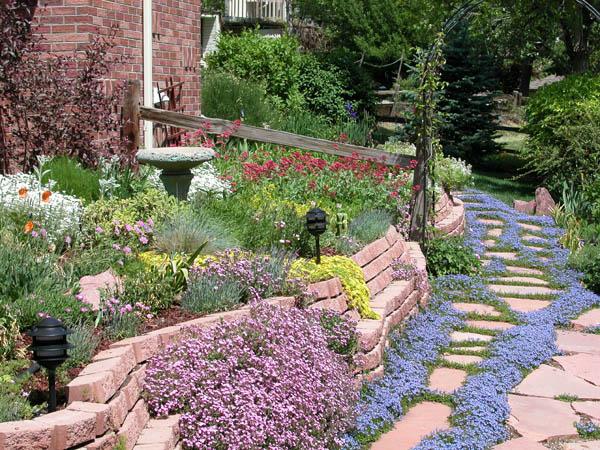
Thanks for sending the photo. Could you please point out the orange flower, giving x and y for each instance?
(46, 196)
(28, 227)
(23, 192)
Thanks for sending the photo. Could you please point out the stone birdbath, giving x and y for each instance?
(175, 164)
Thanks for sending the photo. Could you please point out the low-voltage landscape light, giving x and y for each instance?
(316, 224)
(49, 349)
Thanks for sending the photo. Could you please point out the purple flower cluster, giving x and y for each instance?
(405, 272)
(265, 381)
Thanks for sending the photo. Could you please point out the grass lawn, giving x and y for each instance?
(501, 185)
(511, 140)
(496, 173)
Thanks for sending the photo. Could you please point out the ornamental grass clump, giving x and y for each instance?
(268, 380)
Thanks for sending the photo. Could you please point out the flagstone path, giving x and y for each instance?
(549, 401)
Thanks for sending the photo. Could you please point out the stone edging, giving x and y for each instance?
(105, 400)
(450, 215)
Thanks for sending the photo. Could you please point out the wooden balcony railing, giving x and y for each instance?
(267, 10)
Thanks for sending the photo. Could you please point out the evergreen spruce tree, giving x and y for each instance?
(468, 122)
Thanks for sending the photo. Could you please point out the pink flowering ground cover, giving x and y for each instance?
(271, 380)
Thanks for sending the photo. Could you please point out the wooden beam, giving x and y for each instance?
(131, 117)
(218, 126)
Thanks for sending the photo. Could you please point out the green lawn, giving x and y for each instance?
(501, 185)
(496, 173)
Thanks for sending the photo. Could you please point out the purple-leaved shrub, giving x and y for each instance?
(269, 380)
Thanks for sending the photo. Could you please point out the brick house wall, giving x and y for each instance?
(68, 25)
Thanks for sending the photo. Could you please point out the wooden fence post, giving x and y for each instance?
(130, 132)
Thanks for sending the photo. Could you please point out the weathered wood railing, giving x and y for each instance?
(133, 113)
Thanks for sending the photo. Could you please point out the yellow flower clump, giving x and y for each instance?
(349, 273)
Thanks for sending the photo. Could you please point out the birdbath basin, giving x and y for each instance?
(175, 164)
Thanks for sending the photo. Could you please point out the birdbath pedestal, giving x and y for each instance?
(175, 164)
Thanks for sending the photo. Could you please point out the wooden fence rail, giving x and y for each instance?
(133, 114)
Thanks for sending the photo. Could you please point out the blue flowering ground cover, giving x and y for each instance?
(480, 406)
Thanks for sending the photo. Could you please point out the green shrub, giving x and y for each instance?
(71, 178)
(563, 122)
(24, 271)
(13, 405)
(62, 306)
(147, 286)
(322, 87)
(227, 97)
(450, 256)
(251, 56)
(306, 123)
(187, 232)
(370, 225)
(587, 261)
(9, 331)
(150, 204)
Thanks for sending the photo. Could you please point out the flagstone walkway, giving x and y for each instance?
(551, 399)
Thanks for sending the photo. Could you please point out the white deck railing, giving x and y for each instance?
(272, 10)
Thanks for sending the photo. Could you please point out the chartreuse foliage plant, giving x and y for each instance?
(150, 204)
(349, 273)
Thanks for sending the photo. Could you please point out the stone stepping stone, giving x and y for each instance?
(540, 419)
(520, 444)
(489, 325)
(535, 248)
(522, 290)
(90, 287)
(477, 308)
(495, 232)
(575, 342)
(419, 422)
(525, 305)
(511, 256)
(523, 270)
(446, 380)
(461, 336)
(588, 319)
(534, 238)
(585, 445)
(462, 359)
(494, 222)
(581, 365)
(591, 409)
(489, 243)
(551, 382)
(525, 280)
(530, 227)
(469, 349)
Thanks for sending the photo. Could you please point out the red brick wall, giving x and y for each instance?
(68, 25)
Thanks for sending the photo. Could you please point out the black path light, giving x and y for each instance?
(316, 224)
(49, 349)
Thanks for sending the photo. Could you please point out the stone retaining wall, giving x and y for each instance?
(105, 403)
(450, 215)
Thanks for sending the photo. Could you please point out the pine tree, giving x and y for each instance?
(468, 122)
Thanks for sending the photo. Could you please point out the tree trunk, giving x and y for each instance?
(526, 70)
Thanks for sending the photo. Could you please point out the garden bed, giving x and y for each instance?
(104, 401)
